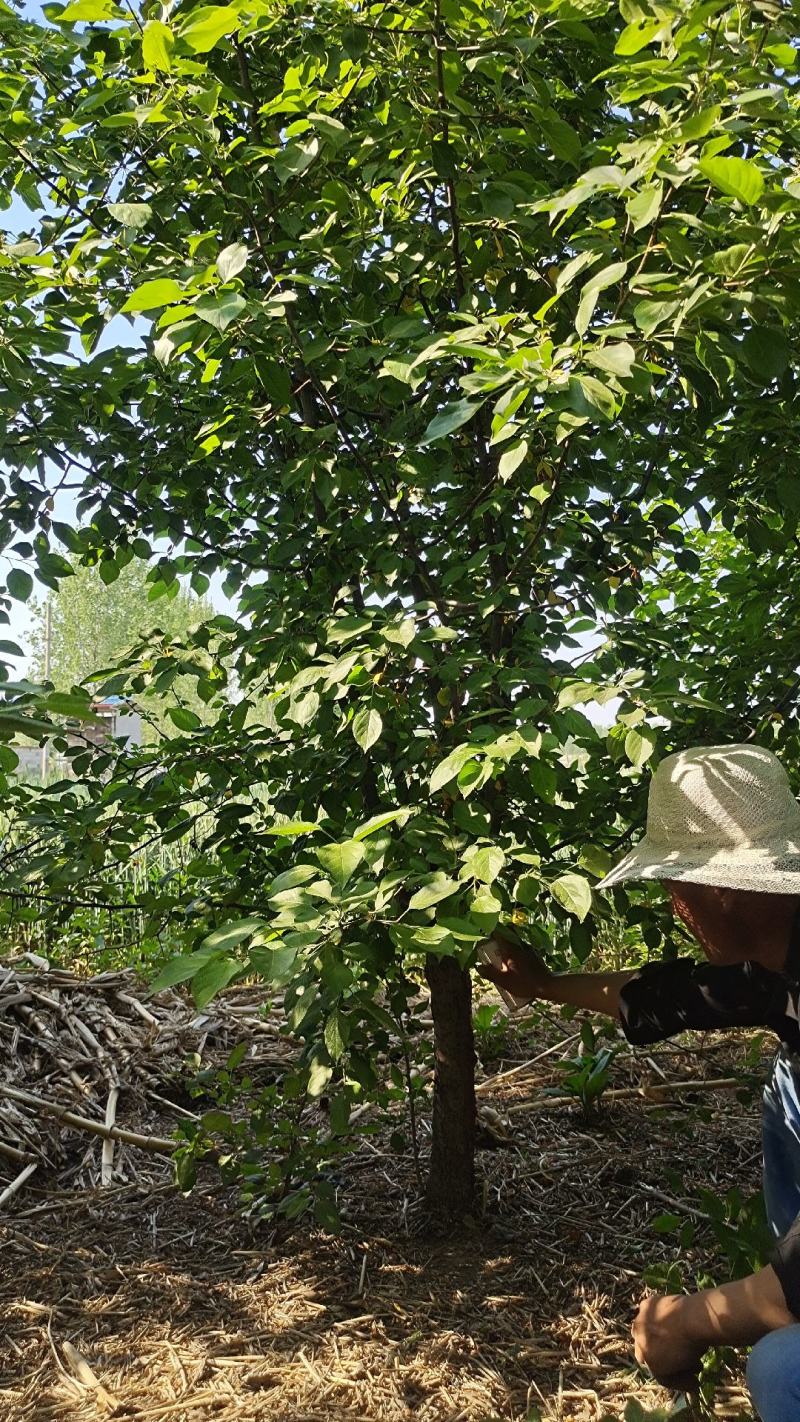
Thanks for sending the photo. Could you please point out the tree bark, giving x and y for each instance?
(451, 1179)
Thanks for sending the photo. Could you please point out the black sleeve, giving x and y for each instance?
(786, 1263)
(665, 998)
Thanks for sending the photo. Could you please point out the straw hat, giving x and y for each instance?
(721, 815)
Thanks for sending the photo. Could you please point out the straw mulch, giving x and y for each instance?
(130, 1301)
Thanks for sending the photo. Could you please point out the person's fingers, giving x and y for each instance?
(490, 973)
(685, 1381)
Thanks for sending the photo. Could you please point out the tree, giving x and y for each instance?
(95, 624)
(470, 359)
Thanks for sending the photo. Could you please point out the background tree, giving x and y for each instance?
(472, 361)
(95, 623)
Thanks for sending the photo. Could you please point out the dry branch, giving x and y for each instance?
(158, 1145)
(650, 1091)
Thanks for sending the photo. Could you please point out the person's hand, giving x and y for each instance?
(663, 1341)
(518, 970)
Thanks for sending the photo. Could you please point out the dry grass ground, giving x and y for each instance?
(134, 1302)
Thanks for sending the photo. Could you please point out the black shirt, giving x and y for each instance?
(665, 998)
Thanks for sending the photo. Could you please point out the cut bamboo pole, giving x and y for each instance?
(18, 1183)
(651, 1091)
(107, 1161)
(20, 1156)
(156, 1145)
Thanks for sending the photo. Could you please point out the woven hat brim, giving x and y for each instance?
(770, 868)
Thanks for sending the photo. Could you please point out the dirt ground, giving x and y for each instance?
(138, 1303)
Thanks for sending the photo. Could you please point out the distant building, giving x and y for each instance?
(117, 720)
(114, 720)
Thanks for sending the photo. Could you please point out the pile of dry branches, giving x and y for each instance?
(89, 1058)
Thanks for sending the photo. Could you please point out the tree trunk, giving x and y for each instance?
(451, 1181)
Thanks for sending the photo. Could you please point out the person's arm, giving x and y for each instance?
(653, 1002)
(672, 1332)
(521, 972)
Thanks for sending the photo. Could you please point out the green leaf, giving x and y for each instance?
(485, 904)
(341, 860)
(152, 294)
(232, 260)
(643, 207)
(89, 10)
(232, 933)
(528, 890)
(486, 864)
(292, 828)
(639, 746)
(413, 939)
(183, 718)
(599, 281)
(438, 887)
(699, 124)
(616, 359)
(367, 727)
(448, 768)
(186, 1171)
(784, 55)
(216, 1121)
(219, 311)
(335, 1037)
(208, 25)
(666, 1223)
(594, 860)
(274, 962)
(473, 775)
(561, 137)
(19, 584)
(211, 978)
(65, 703)
(511, 458)
(331, 128)
(18, 723)
(448, 420)
(339, 1113)
(649, 315)
(179, 970)
(767, 351)
(290, 878)
(638, 34)
(576, 693)
(130, 214)
(736, 177)
(295, 158)
(318, 1077)
(574, 893)
(158, 43)
(379, 822)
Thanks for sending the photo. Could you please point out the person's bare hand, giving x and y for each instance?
(518, 970)
(663, 1343)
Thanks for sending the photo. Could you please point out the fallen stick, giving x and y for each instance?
(83, 1374)
(107, 1163)
(156, 1145)
(652, 1091)
(18, 1183)
(20, 1156)
(525, 1066)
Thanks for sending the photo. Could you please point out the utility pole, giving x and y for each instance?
(48, 647)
